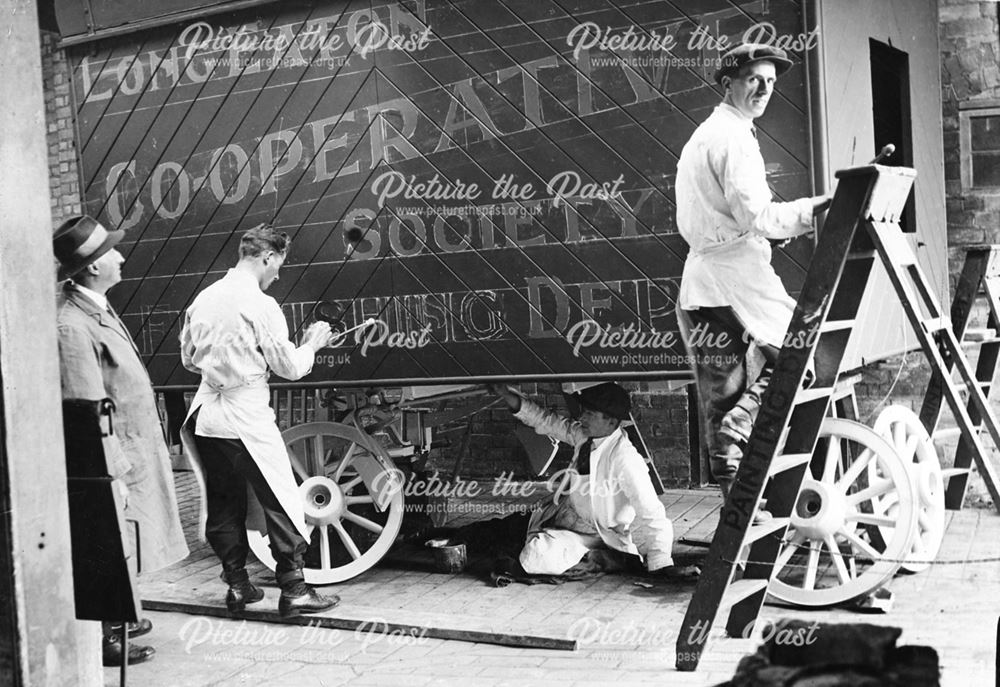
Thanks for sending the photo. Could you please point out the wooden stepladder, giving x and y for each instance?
(980, 271)
(861, 227)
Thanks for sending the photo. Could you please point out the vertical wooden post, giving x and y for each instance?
(40, 634)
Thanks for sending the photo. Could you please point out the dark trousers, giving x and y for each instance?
(731, 378)
(229, 468)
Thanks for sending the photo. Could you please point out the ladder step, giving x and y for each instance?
(756, 532)
(960, 385)
(980, 335)
(862, 255)
(836, 325)
(787, 461)
(741, 590)
(981, 342)
(948, 473)
(814, 394)
(949, 433)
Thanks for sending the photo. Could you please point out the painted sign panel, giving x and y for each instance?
(491, 182)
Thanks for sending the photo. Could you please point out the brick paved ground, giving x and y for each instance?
(626, 632)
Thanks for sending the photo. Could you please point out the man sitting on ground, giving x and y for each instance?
(606, 500)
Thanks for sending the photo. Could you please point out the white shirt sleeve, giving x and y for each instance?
(547, 423)
(282, 356)
(739, 164)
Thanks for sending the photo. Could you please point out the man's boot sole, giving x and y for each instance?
(241, 606)
(294, 612)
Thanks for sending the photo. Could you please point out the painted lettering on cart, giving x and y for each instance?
(418, 320)
(624, 313)
(411, 230)
(202, 51)
(339, 145)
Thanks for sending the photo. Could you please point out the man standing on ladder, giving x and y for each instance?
(233, 336)
(733, 310)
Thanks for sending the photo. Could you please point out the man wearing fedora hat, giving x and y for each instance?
(98, 359)
(733, 310)
(606, 499)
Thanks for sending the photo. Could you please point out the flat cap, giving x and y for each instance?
(747, 53)
(607, 398)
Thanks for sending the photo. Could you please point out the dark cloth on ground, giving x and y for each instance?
(595, 563)
(493, 546)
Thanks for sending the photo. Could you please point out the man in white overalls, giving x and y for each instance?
(233, 336)
(607, 500)
(733, 310)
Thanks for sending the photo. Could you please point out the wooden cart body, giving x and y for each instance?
(541, 138)
(491, 182)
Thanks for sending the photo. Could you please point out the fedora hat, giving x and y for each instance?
(747, 53)
(607, 398)
(80, 241)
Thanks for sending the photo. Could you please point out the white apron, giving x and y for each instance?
(248, 410)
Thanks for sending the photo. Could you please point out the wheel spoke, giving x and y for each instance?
(786, 554)
(353, 500)
(812, 565)
(855, 469)
(347, 486)
(923, 521)
(833, 458)
(324, 548)
(838, 559)
(860, 544)
(870, 519)
(909, 452)
(297, 466)
(349, 544)
(363, 522)
(317, 455)
(342, 465)
(873, 492)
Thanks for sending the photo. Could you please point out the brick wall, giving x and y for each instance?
(661, 416)
(64, 178)
(970, 74)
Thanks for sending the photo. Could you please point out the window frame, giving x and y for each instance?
(965, 117)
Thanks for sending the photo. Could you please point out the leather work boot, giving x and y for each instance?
(300, 598)
(241, 592)
(113, 656)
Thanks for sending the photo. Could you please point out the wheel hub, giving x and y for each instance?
(929, 482)
(820, 510)
(322, 499)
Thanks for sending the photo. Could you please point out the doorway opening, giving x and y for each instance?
(891, 113)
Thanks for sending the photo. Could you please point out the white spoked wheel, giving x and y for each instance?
(902, 428)
(833, 550)
(352, 497)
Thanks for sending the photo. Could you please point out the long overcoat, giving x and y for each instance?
(98, 359)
